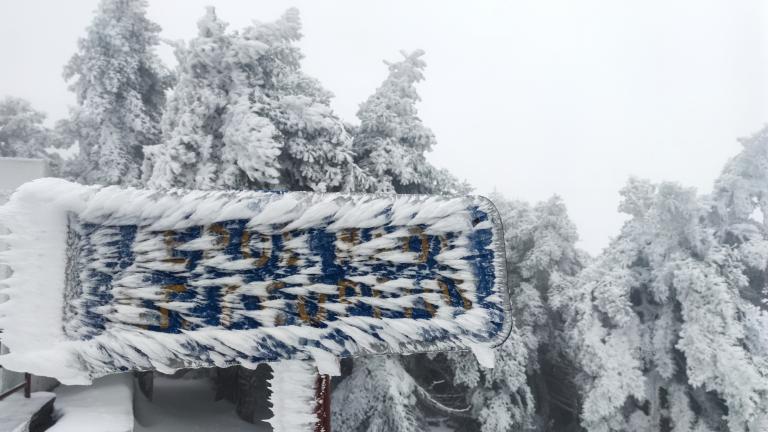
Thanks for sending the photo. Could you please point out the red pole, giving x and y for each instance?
(323, 403)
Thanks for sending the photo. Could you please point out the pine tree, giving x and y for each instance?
(318, 148)
(244, 115)
(22, 132)
(120, 87)
(378, 396)
(663, 336)
(391, 141)
(740, 200)
(192, 149)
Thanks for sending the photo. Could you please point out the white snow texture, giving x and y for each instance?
(44, 340)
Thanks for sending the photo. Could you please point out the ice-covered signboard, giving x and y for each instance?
(13, 173)
(108, 279)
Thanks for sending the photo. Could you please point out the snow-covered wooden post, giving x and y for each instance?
(128, 279)
(323, 401)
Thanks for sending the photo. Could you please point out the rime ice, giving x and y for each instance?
(133, 279)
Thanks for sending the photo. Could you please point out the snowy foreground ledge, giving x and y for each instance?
(105, 406)
(108, 279)
(20, 414)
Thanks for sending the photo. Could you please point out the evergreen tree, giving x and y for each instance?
(210, 121)
(244, 115)
(391, 141)
(378, 396)
(740, 201)
(318, 148)
(120, 87)
(664, 338)
(23, 134)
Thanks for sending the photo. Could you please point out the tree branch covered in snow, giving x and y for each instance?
(664, 337)
(391, 141)
(243, 115)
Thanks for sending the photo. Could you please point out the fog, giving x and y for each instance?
(530, 98)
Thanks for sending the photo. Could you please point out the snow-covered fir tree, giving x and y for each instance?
(318, 148)
(391, 141)
(663, 335)
(23, 134)
(378, 396)
(741, 205)
(210, 121)
(120, 86)
(243, 115)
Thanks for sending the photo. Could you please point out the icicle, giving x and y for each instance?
(293, 396)
(485, 355)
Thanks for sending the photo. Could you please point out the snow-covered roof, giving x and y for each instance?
(108, 279)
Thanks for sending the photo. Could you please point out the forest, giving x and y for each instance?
(666, 329)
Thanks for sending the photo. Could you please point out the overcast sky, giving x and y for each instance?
(531, 98)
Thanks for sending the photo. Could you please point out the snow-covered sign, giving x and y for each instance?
(108, 279)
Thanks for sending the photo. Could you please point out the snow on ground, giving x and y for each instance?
(17, 410)
(178, 405)
(187, 405)
(105, 406)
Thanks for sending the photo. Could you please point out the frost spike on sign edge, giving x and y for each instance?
(107, 280)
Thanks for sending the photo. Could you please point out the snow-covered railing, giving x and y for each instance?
(108, 279)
